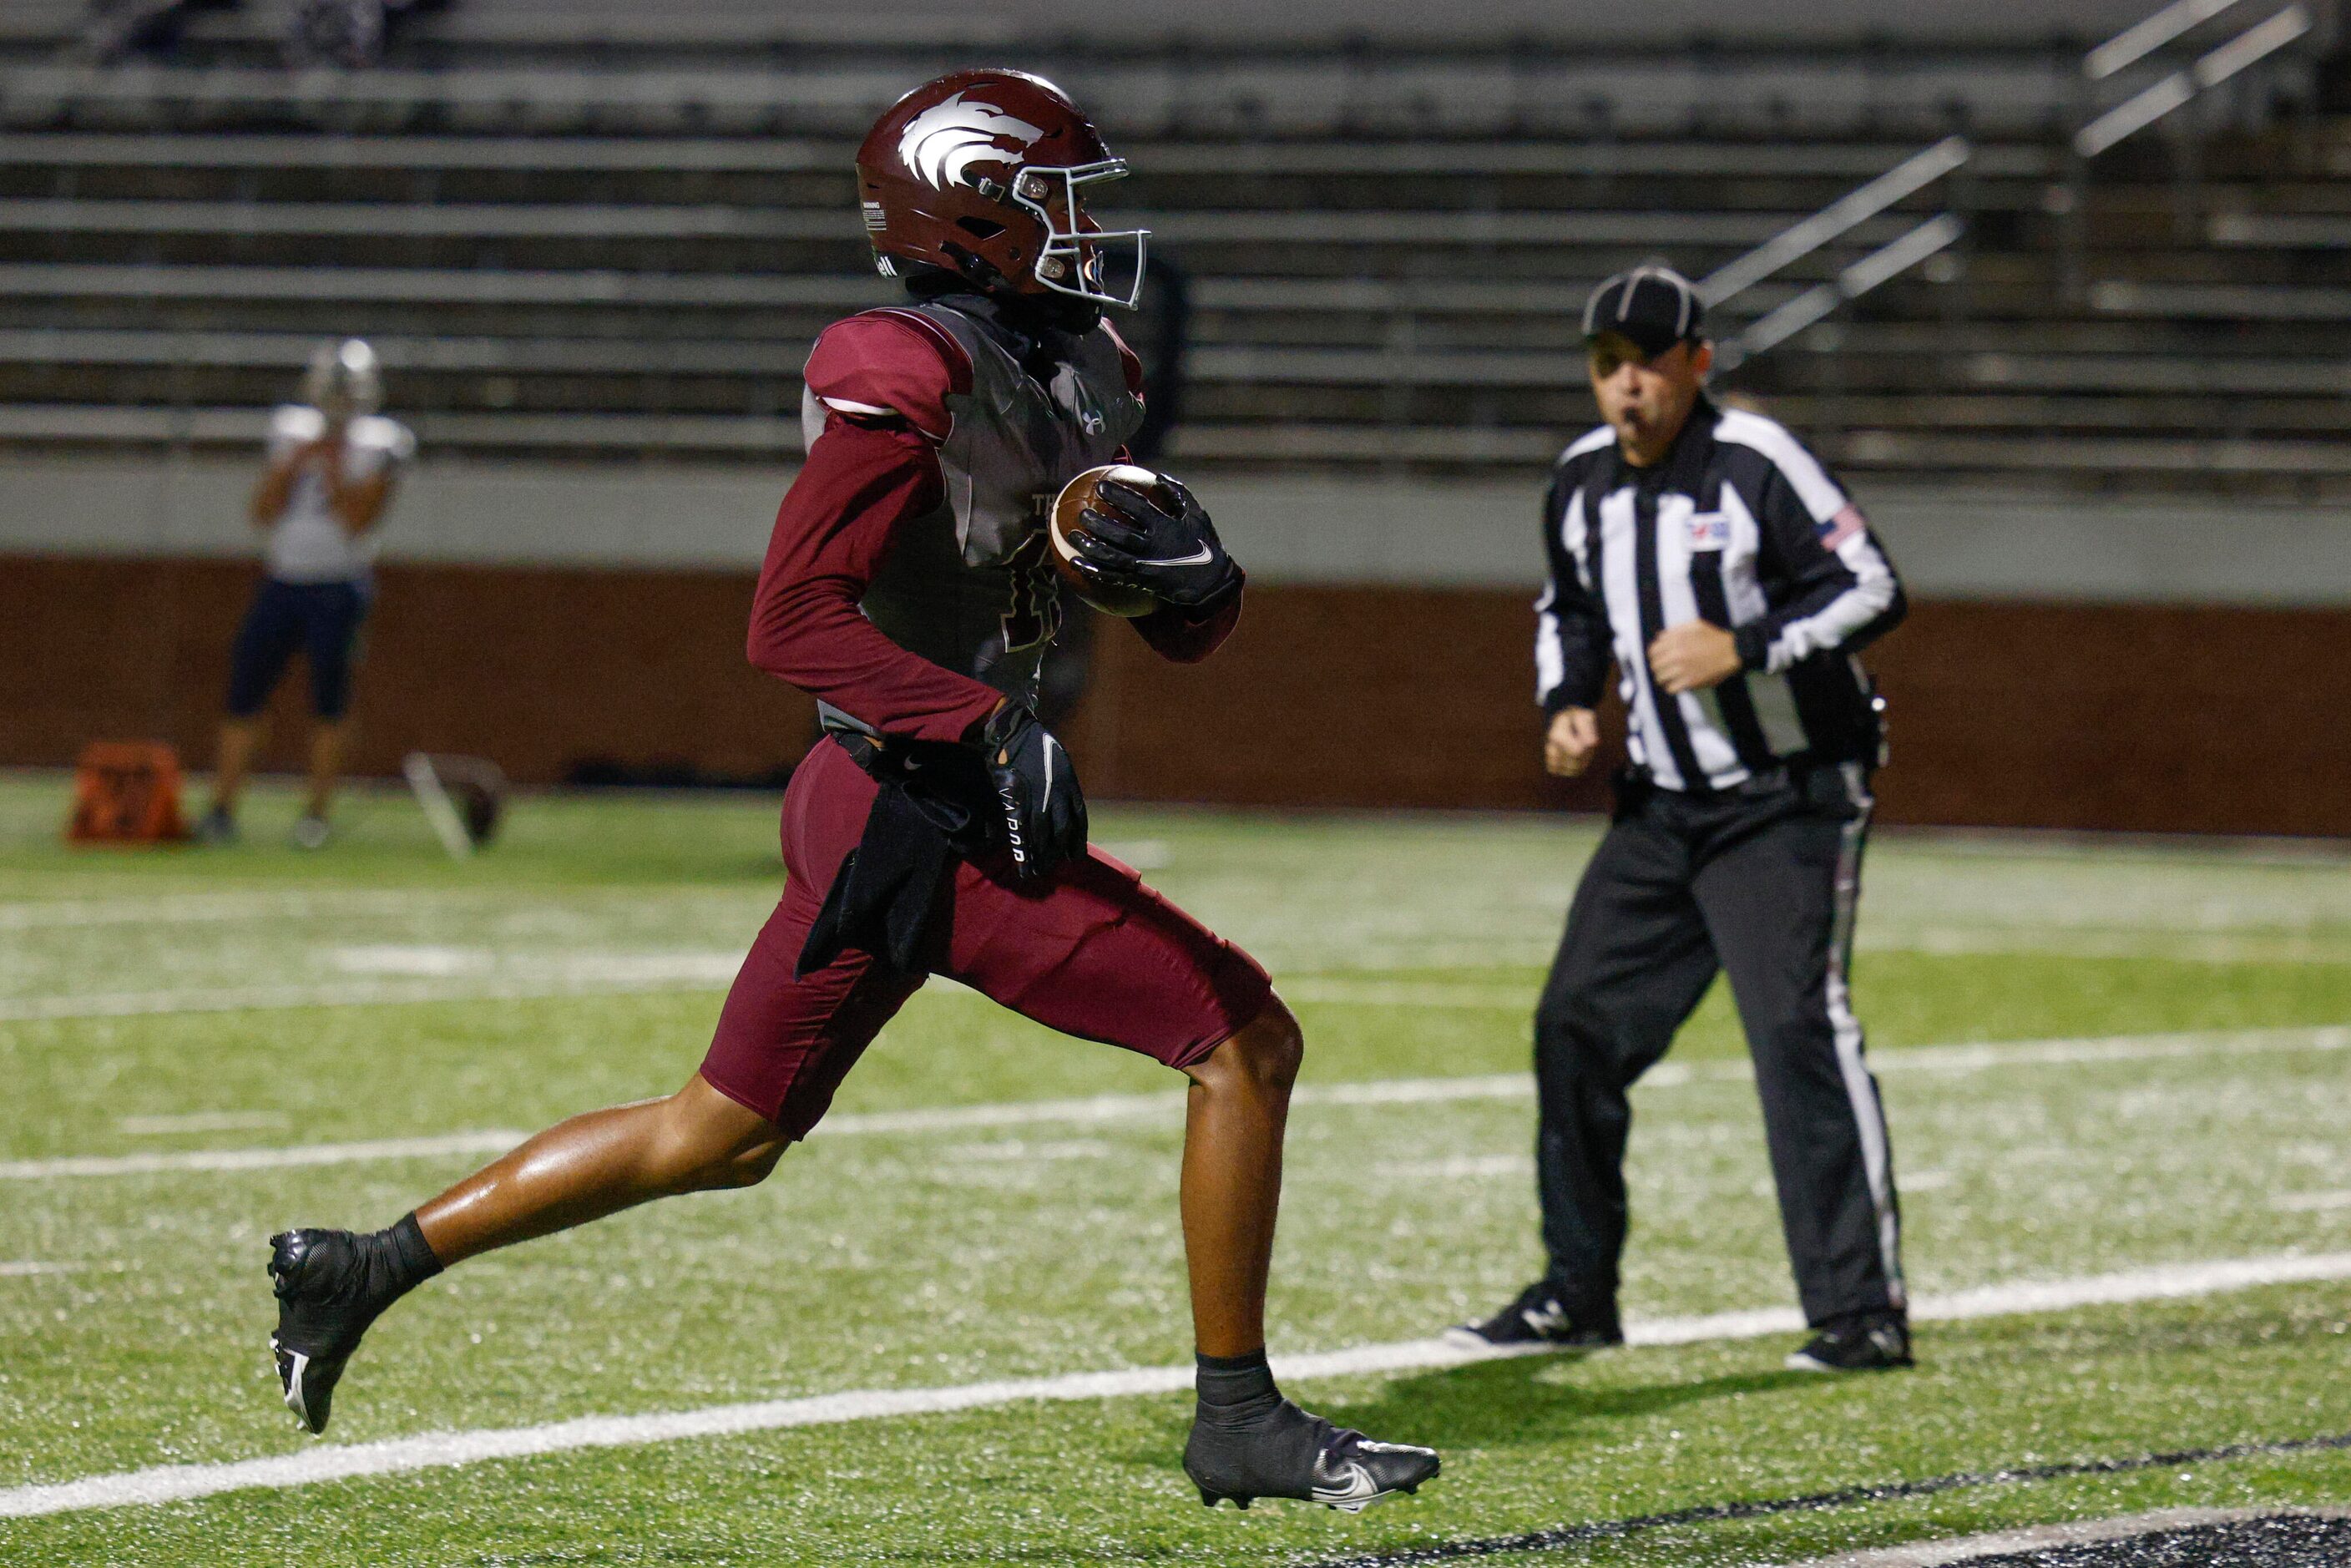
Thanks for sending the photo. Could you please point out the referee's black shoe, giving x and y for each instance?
(1861, 1341)
(1539, 1319)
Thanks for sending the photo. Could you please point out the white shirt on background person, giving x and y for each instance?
(308, 542)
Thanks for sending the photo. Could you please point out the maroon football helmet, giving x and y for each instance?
(987, 167)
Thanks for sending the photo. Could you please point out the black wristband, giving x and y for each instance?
(1754, 645)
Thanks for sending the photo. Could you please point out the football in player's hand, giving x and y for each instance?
(1069, 526)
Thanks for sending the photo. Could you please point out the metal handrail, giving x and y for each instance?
(1881, 266)
(1794, 244)
(2134, 43)
(2182, 87)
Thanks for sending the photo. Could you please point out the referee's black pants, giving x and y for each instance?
(1759, 882)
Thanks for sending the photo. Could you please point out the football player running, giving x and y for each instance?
(938, 827)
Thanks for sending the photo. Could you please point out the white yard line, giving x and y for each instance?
(2090, 1051)
(2048, 1537)
(407, 974)
(2311, 1202)
(1328, 992)
(411, 974)
(489, 1141)
(25, 1269)
(694, 974)
(207, 908)
(935, 1119)
(317, 903)
(199, 1121)
(1465, 1167)
(433, 1450)
(1103, 1108)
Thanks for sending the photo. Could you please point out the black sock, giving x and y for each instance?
(409, 1254)
(1237, 1391)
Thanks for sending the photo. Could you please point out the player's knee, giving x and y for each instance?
(1268, 1049)
(745, 1168)
(693, 1156)
(717, 1170)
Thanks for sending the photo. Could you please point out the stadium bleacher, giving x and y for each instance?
(630, 254)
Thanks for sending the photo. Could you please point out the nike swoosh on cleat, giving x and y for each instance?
(292, 1376)
(1360, 1489)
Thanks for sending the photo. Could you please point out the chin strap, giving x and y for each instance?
(1030, 315)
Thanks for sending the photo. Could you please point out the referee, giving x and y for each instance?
(1714, 562)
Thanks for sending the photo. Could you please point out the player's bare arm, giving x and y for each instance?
(275, 485)
(358, 504)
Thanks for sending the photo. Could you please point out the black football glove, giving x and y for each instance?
(1041, 811)
(1132, 541)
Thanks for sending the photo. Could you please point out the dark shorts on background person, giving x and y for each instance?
(321, 620)
(1092, 952)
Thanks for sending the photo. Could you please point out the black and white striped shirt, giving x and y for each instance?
(1740, 526)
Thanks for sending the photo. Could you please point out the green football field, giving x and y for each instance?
(2119, 1077)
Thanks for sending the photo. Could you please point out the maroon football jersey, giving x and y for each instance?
(971, 586)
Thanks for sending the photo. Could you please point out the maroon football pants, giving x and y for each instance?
(1091, 952)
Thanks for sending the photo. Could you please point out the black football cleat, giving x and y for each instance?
(1295, 1454)
(330, 1286)
(1539, 1320)
(1866, 1342)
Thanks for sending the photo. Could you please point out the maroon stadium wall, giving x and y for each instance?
(2140, 717)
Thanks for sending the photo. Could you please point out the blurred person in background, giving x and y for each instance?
(333, 465)
(115, 30)
(354, 34)
(1712, 560)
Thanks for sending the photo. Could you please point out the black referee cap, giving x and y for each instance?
(1653, 307)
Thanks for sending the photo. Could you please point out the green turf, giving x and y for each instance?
(545, 978)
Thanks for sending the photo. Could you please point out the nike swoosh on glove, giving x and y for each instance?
(1042, 812)
(1134, 541)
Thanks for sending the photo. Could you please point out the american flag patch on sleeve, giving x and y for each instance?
(1845, 525)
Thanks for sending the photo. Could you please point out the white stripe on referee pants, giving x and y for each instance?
(1868, 1111)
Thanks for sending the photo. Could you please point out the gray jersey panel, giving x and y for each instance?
(970, 586)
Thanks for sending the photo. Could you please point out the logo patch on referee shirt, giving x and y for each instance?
(1841, 527)
(1710, 531)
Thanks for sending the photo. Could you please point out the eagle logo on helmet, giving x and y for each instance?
(949, 138)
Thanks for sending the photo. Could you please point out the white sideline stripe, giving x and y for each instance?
(1400, 994)
(2311, 1202)
(2042, 1537)
(943, 1118)
(25, 1269)
(410, 974)
(1983, 1058)
(432, 1450)
(210, 908)
(417, 974)
(199, 1121)
(694, 976)
(490, 1141)
(1101, 1108)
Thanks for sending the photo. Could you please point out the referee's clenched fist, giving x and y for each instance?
(1574, 737)
(1712, 561)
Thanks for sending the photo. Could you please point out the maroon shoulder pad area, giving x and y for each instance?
(890, 362)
